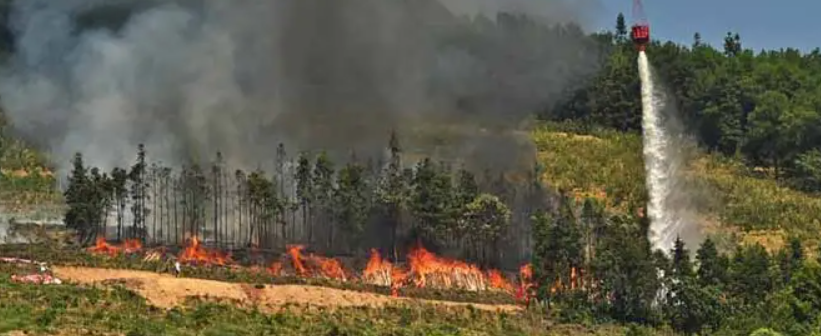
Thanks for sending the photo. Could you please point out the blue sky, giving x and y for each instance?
(766, 24)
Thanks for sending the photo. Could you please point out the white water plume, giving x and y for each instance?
(659, 163)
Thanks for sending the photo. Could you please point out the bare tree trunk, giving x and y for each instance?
(216, 214)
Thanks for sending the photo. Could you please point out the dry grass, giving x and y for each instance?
(730, 199)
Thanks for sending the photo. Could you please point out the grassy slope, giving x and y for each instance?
(609, 165)
(26, 188)
(70, 309)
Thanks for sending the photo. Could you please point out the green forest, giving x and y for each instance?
(759, 107)
(754, 115)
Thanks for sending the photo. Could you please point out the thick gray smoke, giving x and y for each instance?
(190, 78)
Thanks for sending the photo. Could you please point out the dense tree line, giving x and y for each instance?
(310, 199)
(619, 278)
(762, 107)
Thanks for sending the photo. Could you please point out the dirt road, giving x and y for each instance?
(166, 291)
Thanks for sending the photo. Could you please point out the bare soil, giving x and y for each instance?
(167, 291)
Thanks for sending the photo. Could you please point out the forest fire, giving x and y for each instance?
(296, 259)
(526, 285)
(196, 253)
(430, 270)
(315, 265)
(378, 271)
(275, 268)
(129, 246)
(381, 272)
(497, 281)
(424, 268)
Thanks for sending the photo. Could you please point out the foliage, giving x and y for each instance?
(331, 210)
(764, 106)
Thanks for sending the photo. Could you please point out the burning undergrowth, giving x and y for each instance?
(423, 269)
(129, 246)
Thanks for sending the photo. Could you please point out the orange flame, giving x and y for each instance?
(526, 285)
(129, 246)
(425, 269)
(275, 269)
(498, 281)
(296, 259)
(195, 253)
(316, 265)
(329, 267)
(381, 272)
(428, 269)
(102, 247)
(132, 246)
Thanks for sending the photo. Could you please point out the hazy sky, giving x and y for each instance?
(764, 24)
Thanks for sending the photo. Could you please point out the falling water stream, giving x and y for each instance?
(657, 163)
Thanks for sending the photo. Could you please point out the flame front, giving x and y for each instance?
(315, 265)
(526, 285)
(296, 259)
(129, 246)
(497, 280)
(424, 269)
(196, 253)
(430, 270)
(328, 267)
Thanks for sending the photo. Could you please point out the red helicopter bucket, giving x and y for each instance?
(640, 32)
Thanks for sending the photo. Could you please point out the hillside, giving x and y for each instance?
(389, 149)
(734, 202)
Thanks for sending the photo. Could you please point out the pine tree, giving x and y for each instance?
(489, 219)
(431, 200)
(697, 40)
(119, 179)
(76, 195)
(712, 267)
(280, 181)
(750, 276)
(305, 192)
(137, 176)
(216, 187)
(559, 249)
(626, 272)
(242, 201)
(621, 28)
(591, 223)
(466, 190)
(544, 271)
(681, 266)
(351, 203)
(322, 180)
(790, 259)
(393, 190)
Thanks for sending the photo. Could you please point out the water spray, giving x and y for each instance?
(657, 162)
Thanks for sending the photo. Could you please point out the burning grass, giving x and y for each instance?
(317, 271)
(76, 310)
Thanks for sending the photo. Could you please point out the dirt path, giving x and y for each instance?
(166, 291)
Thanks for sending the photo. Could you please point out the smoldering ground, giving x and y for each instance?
(190, 78)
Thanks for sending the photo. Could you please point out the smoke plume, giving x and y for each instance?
(190, 78)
